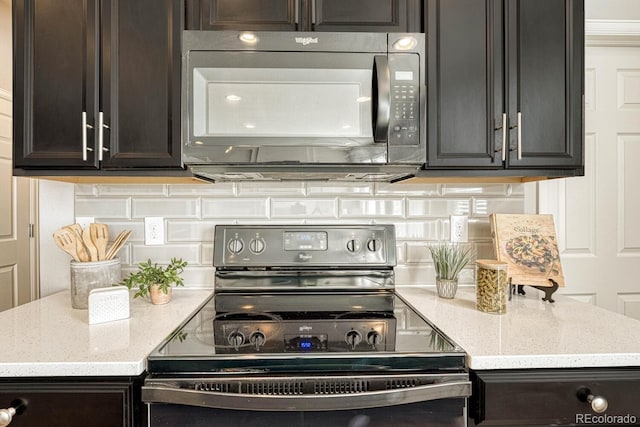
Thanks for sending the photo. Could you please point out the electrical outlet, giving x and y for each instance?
(84, 221)
(459, 228)
(154, 230)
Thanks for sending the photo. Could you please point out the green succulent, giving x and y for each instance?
(149, 274)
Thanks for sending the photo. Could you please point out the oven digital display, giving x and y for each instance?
(305, 240)
(305, 342)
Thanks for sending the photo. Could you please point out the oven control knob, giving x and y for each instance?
(257, 339)
(353, 245)
(374, 338)
(353, 338)
(235, 246)
(257, 246)
(236, 339)
(373, 245)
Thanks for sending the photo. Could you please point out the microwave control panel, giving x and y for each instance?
(404, 120)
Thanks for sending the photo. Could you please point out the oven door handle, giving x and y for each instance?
(246, 402)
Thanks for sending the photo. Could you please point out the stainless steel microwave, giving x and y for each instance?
(303, 106)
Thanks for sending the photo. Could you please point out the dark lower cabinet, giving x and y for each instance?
(305, 15)
(506, 84)
(97, 84)
(542, 397)
(81, 402)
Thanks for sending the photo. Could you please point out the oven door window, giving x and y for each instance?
(436, 413)
(281, 106)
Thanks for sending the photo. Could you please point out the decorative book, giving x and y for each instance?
(528, 244)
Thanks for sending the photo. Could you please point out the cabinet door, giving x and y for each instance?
(55, 83)
(465, 83)
(140, 91)
(257, 15)
(99, 404)
(546, 82)
(541, 397)
(366, 15)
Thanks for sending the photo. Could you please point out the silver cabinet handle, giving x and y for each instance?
(598, 403)
(85, 126)
(504, 137)
(101, 127)
(6, 415)
(519, 152)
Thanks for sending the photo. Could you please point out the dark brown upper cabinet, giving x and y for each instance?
(506, 84)
(305, 15)
(97, 84)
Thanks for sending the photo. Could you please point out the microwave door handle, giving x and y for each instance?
(381, 92)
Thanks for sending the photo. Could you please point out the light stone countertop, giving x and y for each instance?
(533, 333)
(47, 337)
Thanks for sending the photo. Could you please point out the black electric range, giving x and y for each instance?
(303, 316)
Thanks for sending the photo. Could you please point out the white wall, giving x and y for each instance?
(612, 9)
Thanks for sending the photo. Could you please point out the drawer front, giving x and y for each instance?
(555, 397)
(69, 405)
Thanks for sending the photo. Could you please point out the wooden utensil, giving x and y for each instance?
(86, 238)
(118, 243)
(100, 237)
(65, 241)
(81, 249)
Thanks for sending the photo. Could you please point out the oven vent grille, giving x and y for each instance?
(275, 388)
(219, 387)
(341, 387)
(402, 383)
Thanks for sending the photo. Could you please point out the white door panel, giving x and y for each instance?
(597, 216)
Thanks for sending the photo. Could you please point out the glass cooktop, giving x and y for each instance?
(306, 331)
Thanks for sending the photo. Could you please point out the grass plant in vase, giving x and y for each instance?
(448, 260)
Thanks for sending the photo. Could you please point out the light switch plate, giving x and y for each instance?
(108, 304)
(459, 228)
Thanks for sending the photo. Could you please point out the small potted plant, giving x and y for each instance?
(448, 261)
(155, 281)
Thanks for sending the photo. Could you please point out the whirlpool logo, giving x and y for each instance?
(306, 40)
(304, 257)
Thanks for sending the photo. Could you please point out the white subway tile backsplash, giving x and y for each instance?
(162, 254)
(371, 208)
(103, 208)
(472, 189)
(86, 190)
(271, 188)
(316, 188)
(437, 207)
(132, 190)
(220, 189)
(235, 208)
(419, 212)
(482, 207)
(418, 252)
(418, 230)
(166, 207)
(305, 208)
(395, 189)
(189, 231)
